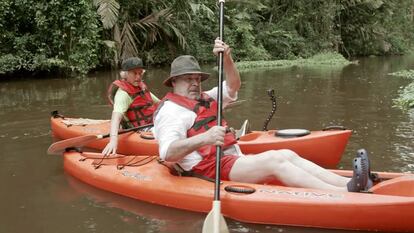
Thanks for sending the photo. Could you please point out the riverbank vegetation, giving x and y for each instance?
(330, 59)
(77, 36)
(405, 99)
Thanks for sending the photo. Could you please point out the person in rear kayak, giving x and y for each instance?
(186, 129)
(133, 104)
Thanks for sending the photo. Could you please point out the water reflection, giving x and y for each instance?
(132, 212)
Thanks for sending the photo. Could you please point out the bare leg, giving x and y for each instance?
(317, 171)
(271, 164)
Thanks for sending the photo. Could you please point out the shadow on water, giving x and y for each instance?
(38, 193)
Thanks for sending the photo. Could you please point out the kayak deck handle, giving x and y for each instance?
(239, 189)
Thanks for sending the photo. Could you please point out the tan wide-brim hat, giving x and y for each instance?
(185, 64)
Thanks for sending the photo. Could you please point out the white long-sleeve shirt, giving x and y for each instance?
(173, 121)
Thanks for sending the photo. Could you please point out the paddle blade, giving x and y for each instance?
(245, 128)
(235, 103)
(215, 222)
(57, 148)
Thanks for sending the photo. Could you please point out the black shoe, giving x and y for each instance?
(358, 180)
(363, 154)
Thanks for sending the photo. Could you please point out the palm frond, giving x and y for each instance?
(202, 8)
(180, 37)
(117, 34)
(117, 40)
(108, 10)
(128, 41)
(158, 25)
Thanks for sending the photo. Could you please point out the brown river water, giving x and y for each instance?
(37, 196)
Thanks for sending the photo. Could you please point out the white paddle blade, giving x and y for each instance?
(59, 147)
(215, 222)
(245, 128)
(234, 104)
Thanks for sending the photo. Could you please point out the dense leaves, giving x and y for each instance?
(48, 35)
(75, 36)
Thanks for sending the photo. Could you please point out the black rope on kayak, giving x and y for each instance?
(132, 161)
(138, 163)
(100, 162)
(334, 127)
(271, 94)
(76, 149)
(56, 114)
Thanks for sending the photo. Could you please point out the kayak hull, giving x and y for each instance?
(390, 206)
(324, 148)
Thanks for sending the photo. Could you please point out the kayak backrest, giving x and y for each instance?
(400, 186)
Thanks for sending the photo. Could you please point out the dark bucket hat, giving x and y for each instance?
(131, 63)
(185, 64)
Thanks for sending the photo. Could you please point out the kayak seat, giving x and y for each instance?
(400, 186)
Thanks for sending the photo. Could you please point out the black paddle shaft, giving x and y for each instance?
(129, 130)
(220, 104)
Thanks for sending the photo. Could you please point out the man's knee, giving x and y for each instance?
(275, 156)
(279, 160)
(282, 155)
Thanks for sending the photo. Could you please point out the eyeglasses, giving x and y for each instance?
(138, 71)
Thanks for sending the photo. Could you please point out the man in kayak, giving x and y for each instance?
(133, 104)
(186, 129)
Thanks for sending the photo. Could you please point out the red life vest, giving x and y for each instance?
(206, 110)
(142, 107)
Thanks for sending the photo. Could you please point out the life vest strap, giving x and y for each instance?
(197, 125)
(177, 170)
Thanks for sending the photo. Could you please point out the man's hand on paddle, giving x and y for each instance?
(233, 81)
(215, 135)
(220, 46)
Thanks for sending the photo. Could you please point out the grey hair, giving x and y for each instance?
(123, 74)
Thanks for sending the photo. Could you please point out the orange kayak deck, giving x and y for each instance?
(322, 147)
(389, 207)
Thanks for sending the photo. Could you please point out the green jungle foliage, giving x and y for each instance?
(318, 60)
(76, 36)
(48, 35)
(404, 74)
(405, 99)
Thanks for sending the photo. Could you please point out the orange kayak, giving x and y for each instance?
(322, 147)
(387, 207)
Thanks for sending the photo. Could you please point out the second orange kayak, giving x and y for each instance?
(322, 147)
